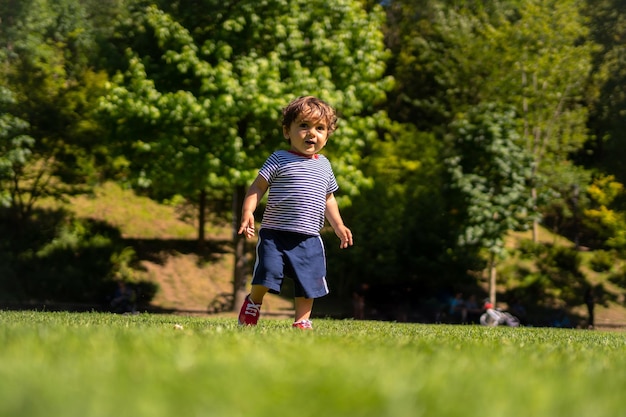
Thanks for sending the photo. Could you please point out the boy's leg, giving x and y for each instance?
(304, 306)
(257, 293)
(251, 307)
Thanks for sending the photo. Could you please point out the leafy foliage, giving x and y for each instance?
(47, 49)
(61, 259)
(399, 223)
(531, 56)
(602, 261)
(493, 175)
(607, 23)
(197, 107)
(608, 223)
(188, 108)
(556, 282)
(15, 149)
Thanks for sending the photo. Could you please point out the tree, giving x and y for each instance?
(197, 106)
(532, 55)
(15, 147)
(492, 173)
(50, 147)
(549, 85)
(607, 23)
(608, 223)
(400, 220)
(45, 49)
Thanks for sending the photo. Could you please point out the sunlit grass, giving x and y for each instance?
(136, 216)
(63, 364)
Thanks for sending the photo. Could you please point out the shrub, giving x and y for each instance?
(561, 267)
(529, 249)
(602, 261)
(562, 258)
(619, 278)
(66, 259)
(72, 266)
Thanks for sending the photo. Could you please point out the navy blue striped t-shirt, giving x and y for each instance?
(298, 186)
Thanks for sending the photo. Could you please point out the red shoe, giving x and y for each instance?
(303, 324)
(249, 313)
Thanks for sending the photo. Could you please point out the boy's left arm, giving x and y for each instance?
(335, 220)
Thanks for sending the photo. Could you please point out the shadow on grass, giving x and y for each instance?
(158, 250)
(55, 261)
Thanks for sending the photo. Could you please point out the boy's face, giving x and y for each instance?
(307, 134)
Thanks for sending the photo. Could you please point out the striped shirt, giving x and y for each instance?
(298, 187)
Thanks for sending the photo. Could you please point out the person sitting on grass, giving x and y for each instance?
(123, 300)
(301, 186)
(458, 310)
(473, 310)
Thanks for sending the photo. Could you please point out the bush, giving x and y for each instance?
(72, 266)
(59, 258)
(560, 268)
(619, 278)
(564, 259)
(529, 249)
(602, 261)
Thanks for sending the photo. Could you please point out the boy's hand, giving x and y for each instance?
(247, 226)
(345, 235)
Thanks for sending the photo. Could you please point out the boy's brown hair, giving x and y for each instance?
(310, 106)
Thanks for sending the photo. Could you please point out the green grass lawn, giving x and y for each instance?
(92, 364)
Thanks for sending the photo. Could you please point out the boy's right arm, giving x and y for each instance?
(254, 195)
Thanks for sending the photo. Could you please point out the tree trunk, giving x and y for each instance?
(201, 218)
(239, 273)
(535, 221)
(575, 198)
(492, 280)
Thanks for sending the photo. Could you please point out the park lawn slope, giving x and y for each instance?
(189, 280)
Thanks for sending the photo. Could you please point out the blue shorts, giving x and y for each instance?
(281, 254)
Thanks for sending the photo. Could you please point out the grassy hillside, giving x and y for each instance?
(190, 280)
(608, 314)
